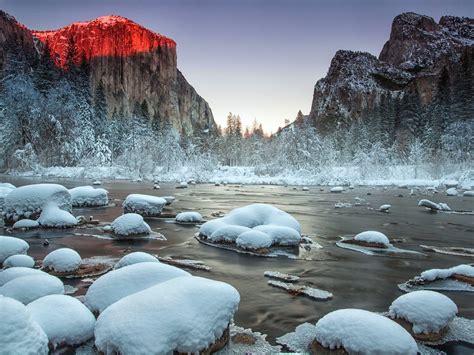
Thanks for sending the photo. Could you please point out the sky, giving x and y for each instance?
(256, 58)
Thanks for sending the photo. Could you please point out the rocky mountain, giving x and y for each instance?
(411, 62)
(136, 67)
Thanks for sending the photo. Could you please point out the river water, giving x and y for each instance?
(356, 280)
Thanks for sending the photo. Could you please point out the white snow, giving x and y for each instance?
(468, 193)
(29, 288)
(385, 208)
(185, 314)
(189, 217)
(62, 260)
(4, 191)
(280, 235)
(18, 271)
(373, 237)
(130, 224)
(119, 283)
(311, 292)
(26, 224)
(433, 274)
(135, 258)
(64, 319)
(54, 217)
(337, 189)
(254, 240)
(7, 185)
(452, 191)
(145, 205)
(19, 333)
(11, 246)
(363, 332)
(169, 199)
(97, 182)
(19, 260)
(228, 233)
(28, 200)
(428, 311)
(281, 276)
(87, 196)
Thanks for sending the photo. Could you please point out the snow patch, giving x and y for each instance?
(29, 288)
(189, 217)
(130, 224)
(26, 224)
(62, 260)
(145, 205)
(87, 196)
(54, 217)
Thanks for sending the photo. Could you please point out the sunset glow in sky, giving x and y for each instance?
(256, 58)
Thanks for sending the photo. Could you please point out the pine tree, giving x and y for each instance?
(100, 110)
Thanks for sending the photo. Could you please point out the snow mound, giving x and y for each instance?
(4, 191)
(135, 258)
(281, 276)
(7, 185)
(280, 235)
(29, 288)
(125, 281)
(189, 217)
(130, 224)
(64, 319)
(433, 274)
(169, 199)
(468, 193)
(87, 196)
(433, 206)
(428, 311)
(145, 205)
(337, 189)
(373, 237)
(185, 314)
(26, 224)
(363, 332)
(54, 217)
(11, 246)
(311, 292)
(18, 271)
(254, 240)
(19, 260)
(29, 200)
(62, 260)
(228, 233)
(452, 191)
(19, 333)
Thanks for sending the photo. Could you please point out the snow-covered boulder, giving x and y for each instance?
(54, 217)
(468, 193)
(4, 191)
(362, 332)
(337, 189)
(145, 205)
(28, 201)
(452, 191)
(169, 199)
(254, 240)
(373, 238)
(433, 205)
(189, 217)
(122, 282)
(463, 270)
(11, 246)
(64, 319)
(228, 233)
(87, 196)
(26, 224)
(182, 185)
(450, 183)
(19, 260)
(26, 289)
(62, 260)
(305, 188)
(19, 333)
(280, 235)
(385, 208)
(135, 258)
(16, 272)
(130, 224)
(7, 185)
(97, 183)
(185, 314)
(426, 311)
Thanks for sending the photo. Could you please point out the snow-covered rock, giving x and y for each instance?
(228, 233)
(29, 288)
(29, 200)
(337, 189)
(254, 240)
(452, 191)
(280, 235)
(305, 188)
(427, 311)
(19, 333)
(130, 224)
(54, 217)
(135, 258)
(19, 260)
(26, 224)
(16, 272)
(4, 191)
(64, 319)
(362, 332)
(145, 205)
(62, 260)
(373, 237)
(385, 208)
(97, 182)
(433, 274)
(169, 199)
(122, 282)
(87, 196)
(185, 314)
(189, 217)
(11, 246)
(182, 185)
(7, 185)
(468, 193)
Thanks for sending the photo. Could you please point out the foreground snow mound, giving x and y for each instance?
(427, 311)
(373, 237)
(186, 314)
(135, 258)
(18, 271)
(130, 224)
(433, 274)
(189, 217)
(145, 205)
(26, 289)
(254, 240)
(29, 200)
(11, 246)
(228, 233)
(26, 224)
(363, 332)
(19, 260)
(122, 282)
(19, 333)
(64, 319)
(62, 260)
(54, 217)
(87, 196)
